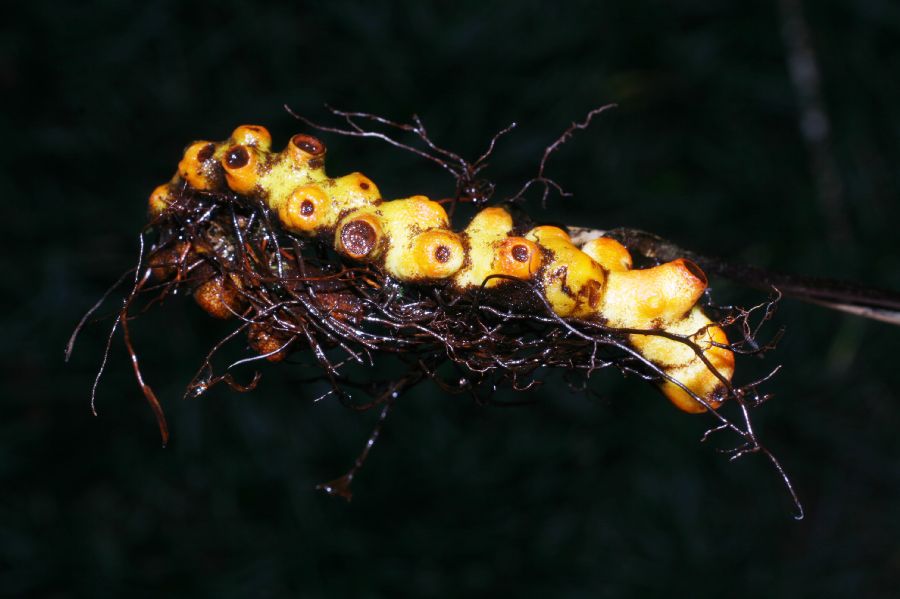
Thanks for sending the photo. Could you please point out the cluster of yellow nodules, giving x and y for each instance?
(411, 240)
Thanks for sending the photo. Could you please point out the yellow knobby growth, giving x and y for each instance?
(411, 240)
(608, 253)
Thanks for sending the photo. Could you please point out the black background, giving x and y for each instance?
(601, 495)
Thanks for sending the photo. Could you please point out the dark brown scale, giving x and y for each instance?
(237, 157)
(165, 262)
(358, 238)
(219, 298)
(561, 274)
(206, 153)
(594, 292)
(263, 339)
(363, 185)
(342, 305)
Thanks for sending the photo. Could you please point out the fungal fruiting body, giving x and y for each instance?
(411, 241)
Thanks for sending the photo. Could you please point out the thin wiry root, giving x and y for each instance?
(340, 487)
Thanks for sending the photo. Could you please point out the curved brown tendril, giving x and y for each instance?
(541, 178)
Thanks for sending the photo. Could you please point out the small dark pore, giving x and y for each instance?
(358, 238)
(695, 270)
(309, 144)
(442, 254)
(363, 185)
(520, 253)
(307, 208)
(316, 163)
(206, 153)
(236, 157)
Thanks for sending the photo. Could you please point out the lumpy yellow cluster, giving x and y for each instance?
(412, 241)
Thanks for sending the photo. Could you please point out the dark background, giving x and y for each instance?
(595, 495)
